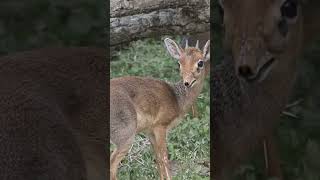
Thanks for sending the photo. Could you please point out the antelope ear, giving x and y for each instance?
(173, 48)
(206, 51)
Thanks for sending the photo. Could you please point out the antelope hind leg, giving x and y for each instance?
(117, 155)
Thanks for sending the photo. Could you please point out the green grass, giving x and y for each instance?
(189, 142)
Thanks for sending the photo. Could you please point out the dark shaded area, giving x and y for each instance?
(298, 134)
(33, 24)
(52, 99)
(52, 114)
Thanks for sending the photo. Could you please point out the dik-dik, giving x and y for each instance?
(139, 104)
(53, 114)
(263, 40)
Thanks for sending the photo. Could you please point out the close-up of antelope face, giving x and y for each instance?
(261, 35)
(193, 62)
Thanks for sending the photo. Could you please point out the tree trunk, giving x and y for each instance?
(135, 19)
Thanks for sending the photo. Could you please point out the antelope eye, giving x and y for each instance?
(289, 9)
(200, 64)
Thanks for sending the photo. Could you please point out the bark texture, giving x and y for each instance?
(135, 19)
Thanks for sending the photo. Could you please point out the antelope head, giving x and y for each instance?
(262, 36)
(193, 62)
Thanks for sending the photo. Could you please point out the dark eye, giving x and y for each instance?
(289, 9)
(200, 64)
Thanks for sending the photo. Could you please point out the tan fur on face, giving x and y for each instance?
(188, 65)
(252, 33)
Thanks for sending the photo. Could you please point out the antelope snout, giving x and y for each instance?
(246, 67)
(251, 70)
(245, 71)
(186, 83)
(189, 82)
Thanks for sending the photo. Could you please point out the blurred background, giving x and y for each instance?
(298, 134)
(30, 24)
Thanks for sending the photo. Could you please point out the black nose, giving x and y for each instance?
(186, 84)
(245, 71)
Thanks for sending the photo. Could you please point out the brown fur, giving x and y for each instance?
(53, 113)
(153, 106)
(245, 113)
(201, 38)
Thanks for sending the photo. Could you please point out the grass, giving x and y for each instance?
(189, 142)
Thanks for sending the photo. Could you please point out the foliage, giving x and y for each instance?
(188, 143)
(32, 24)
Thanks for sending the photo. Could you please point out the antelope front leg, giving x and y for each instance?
(194, 110)
(158, 141)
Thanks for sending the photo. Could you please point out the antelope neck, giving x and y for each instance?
(186, 96)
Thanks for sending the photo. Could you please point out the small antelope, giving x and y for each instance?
(144, 104)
